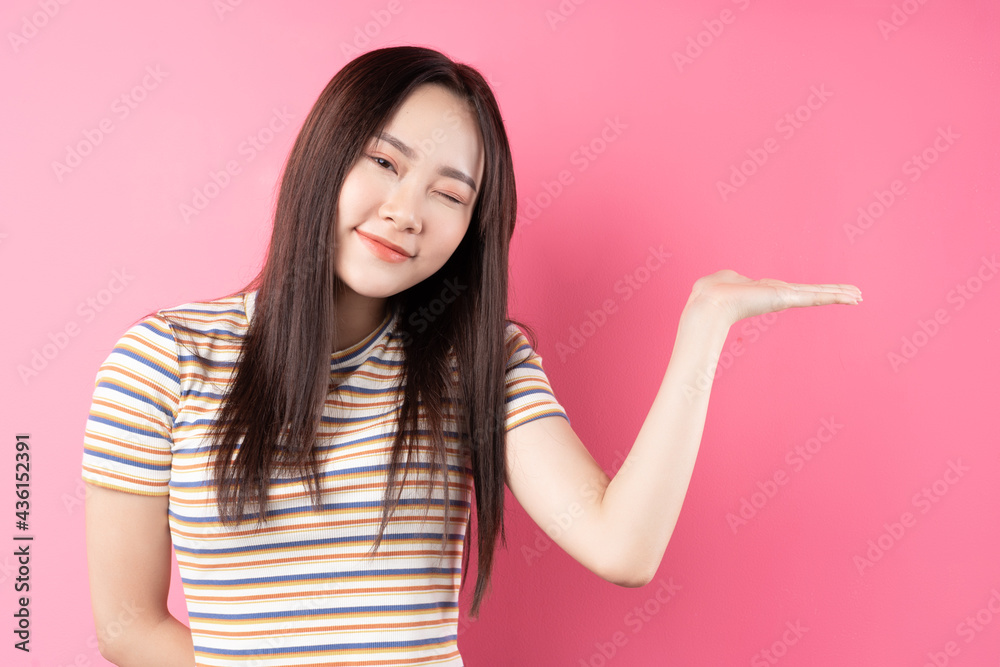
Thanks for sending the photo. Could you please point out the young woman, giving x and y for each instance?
(310, 444)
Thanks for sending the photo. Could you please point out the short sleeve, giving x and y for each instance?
(127, 444)
(529, 394)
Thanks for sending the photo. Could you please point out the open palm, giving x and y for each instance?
(737, 297)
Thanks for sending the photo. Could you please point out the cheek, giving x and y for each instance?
(354, 194)
(450, 241)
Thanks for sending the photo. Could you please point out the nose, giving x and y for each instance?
(402, 207)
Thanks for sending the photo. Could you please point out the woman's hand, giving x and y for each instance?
(733, 297)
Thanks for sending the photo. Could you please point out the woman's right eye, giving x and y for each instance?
(380, 160)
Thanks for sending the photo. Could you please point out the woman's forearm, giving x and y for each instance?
(168, 643)
(643, 500)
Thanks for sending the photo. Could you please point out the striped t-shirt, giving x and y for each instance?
(302, 590)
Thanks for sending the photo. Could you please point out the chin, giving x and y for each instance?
(372, 287)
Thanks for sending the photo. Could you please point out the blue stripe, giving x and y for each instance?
(134, 464)
(333, 474)
(388, 537)
(146, 362)
(327, 647)
(370, 574)
(181, 309)
(528, 392)
(128, 428)
(205, 361)
(547, 414)
(110, 384)
(403, 502)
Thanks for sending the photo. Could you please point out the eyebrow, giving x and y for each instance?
(411, 154)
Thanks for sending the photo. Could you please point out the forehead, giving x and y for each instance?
(437, 123)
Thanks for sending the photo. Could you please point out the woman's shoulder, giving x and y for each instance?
(206, 315)
(518, 345)
(211, 328)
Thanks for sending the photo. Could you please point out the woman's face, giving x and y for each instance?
(414, 187)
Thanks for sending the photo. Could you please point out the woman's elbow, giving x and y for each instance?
(119, 634)
(628, 574)
(632, 580)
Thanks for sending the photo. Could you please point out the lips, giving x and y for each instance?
(388, 244)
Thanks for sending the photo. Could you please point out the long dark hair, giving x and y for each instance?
(282, 377)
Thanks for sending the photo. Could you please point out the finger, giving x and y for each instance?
(802, 298)
(842, 287)
(847, 289)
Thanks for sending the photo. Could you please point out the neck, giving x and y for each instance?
(357, 317)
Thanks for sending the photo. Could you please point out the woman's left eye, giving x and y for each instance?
(385, 164)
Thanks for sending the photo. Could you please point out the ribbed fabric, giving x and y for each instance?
(302, 590)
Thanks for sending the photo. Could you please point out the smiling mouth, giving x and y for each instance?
(381, 250)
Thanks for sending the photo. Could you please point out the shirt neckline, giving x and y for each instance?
(355, 354)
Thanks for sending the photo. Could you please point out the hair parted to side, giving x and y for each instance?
(282, 376)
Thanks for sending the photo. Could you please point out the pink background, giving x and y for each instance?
(662, 134)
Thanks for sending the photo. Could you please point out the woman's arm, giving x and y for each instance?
(643, 501)
(128, 557)
(619, 528)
